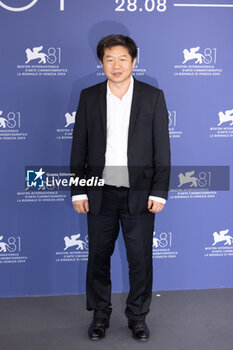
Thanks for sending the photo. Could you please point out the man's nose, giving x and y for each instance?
(116, 64)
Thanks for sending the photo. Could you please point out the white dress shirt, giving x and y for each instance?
(115, 172)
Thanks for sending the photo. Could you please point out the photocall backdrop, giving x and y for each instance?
(47, 57)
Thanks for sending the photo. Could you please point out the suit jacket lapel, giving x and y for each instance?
(134, 109)
(102, 99)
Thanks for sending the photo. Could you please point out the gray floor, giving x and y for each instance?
(179, 320)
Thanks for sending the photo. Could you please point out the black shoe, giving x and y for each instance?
(97, 328)
(139, 329)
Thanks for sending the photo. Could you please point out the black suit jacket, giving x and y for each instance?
(148, 145)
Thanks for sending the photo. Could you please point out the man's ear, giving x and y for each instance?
(101, 64)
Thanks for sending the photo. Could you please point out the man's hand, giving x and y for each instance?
(82, 206)
(154, 207)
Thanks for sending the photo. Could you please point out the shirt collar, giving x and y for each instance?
(128, 93)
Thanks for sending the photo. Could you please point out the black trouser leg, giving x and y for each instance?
(103, 230)
(138, 236)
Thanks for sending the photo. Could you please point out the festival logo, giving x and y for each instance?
(226, 117)
(224, 128)
(10, 126)
(195, 61)
(42, 61)
(188, 178)
(193, 54)
(10, 250)
(222, 245)
(36, 54)
(11, 245)
(74, 241)
(222, 236)
(76, 249)
(11, 121)
(162, 246)
(198, 181)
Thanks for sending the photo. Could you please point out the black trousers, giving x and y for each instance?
(103, 230)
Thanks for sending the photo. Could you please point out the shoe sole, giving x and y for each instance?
(140, 339)
(94, 339)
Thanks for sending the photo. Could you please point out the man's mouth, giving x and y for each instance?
(117, 74)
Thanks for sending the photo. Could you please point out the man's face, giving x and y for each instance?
(117, 64)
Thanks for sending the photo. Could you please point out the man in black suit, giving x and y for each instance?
(120, 135)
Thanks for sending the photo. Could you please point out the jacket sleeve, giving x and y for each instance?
(79, 147)
(161, 151)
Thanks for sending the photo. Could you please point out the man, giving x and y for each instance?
(120, 135)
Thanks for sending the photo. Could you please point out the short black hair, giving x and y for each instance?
(116, 40)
